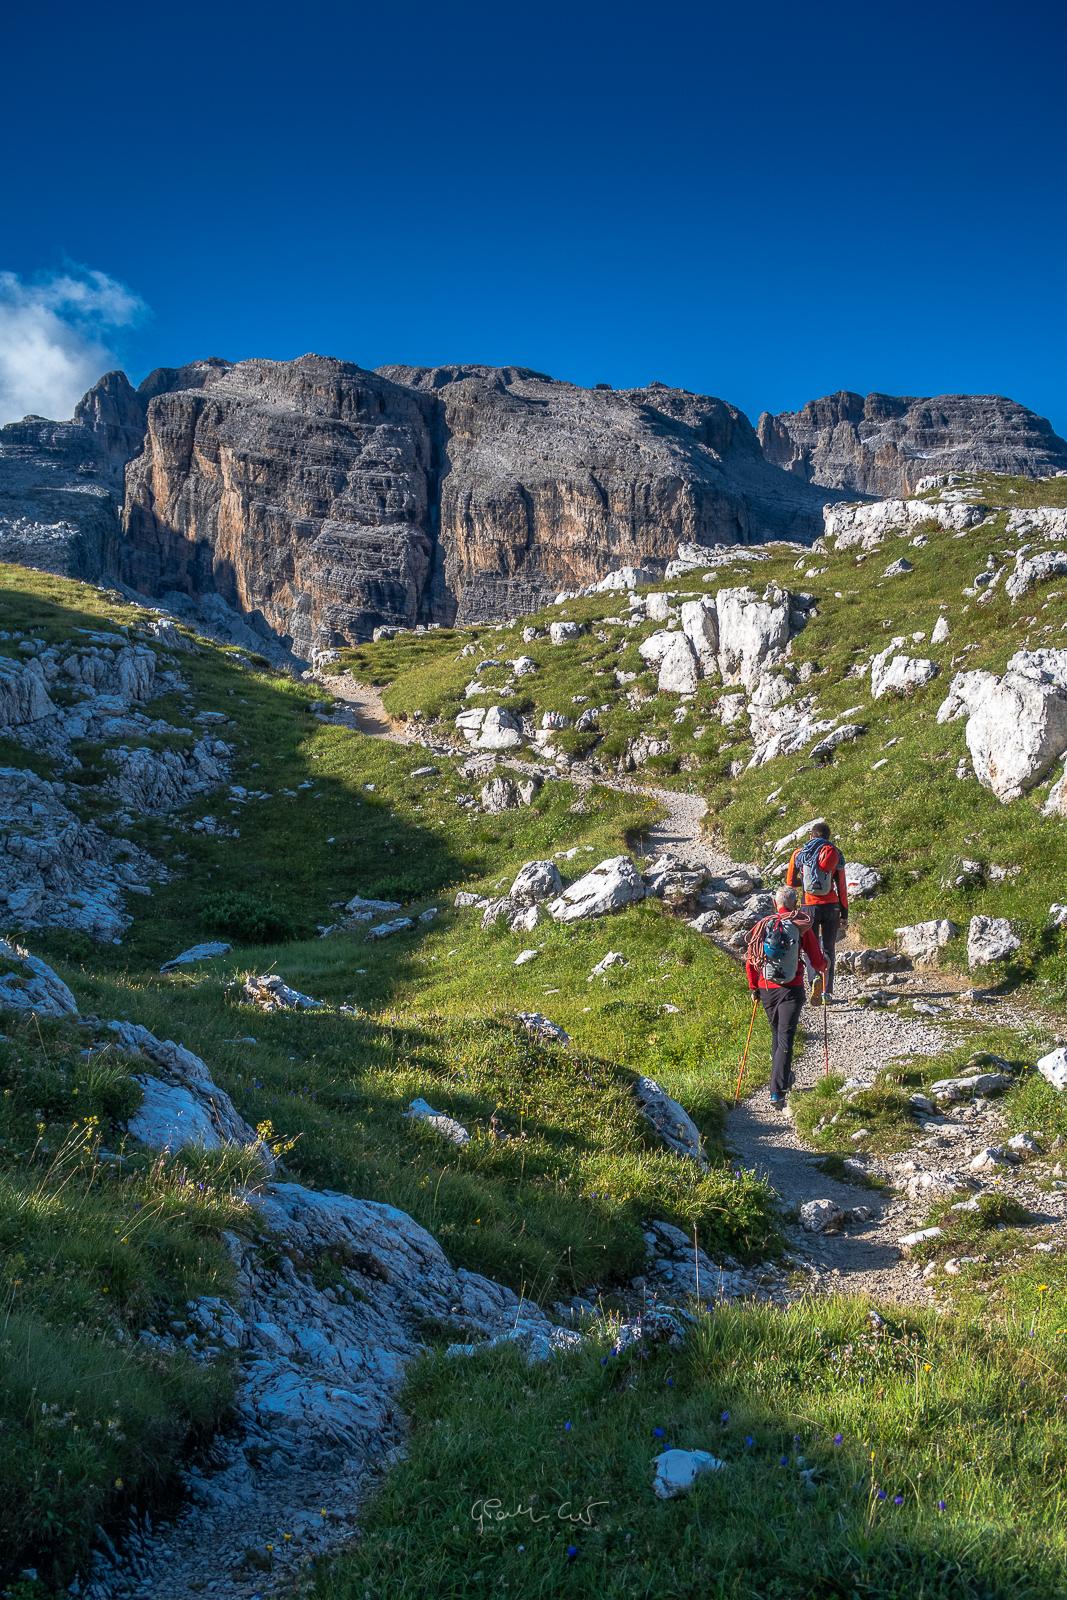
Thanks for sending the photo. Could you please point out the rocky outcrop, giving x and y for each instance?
(330, 500)
(884, 444)
(61, 483)
(57, 871)
(549, 486)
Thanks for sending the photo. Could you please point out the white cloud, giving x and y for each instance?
(55, 338)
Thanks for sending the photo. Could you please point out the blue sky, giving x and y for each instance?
(765, 203)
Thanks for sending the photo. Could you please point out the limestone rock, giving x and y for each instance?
(614, 958)
(565, 632)
(700, 625)
(860, 881)
(537, 881)
(1053, 1067)
(752, 632)
(23, 693)
(386, 930)
(990, 939)
(678, 1470)
(670, 1121)
(908, 1241)
(658, 645)
(885, 444)
(182, 1105)
(951, 1091)
(1015, 732)
(893, 672)
(922, 940)
(449, 1129)
(1031, 569)
(55, 870)
(27, 984)
(821, 1216)
(156, 781)
(500, 729)
(678, 672)
(271, 993)
(607, 887)
(195, 953)
(542, 1028)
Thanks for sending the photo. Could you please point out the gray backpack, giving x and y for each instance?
(818, 880)
(781, 950)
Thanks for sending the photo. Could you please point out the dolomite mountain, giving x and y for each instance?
(883, 444)
(320, 500)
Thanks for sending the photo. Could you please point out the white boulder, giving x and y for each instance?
(564, 632)
(678, 673)
(678, 1470)
(500, 730)
(752, 631)
(671, 1121)
(922, 940)
(27, 984)
(1015, 734)
(607, 887)
(861, 881)
(196, 952)
(893, 672)
(700, 624)
(1053, 1067)
(657, 645)
(448, 1128)
(990, 939)
(536, 881)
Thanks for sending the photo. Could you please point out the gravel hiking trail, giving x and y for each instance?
(864, 1257)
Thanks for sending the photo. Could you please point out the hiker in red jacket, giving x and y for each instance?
(818, 867)
(775, 974)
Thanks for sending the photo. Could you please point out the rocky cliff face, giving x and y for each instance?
(322, 500)
(61, 483)
(302, 490)
(882, 445)
(546, 486)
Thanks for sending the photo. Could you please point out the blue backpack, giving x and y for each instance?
(781, 950)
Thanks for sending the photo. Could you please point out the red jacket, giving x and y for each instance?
(810, 947)
(838, 895)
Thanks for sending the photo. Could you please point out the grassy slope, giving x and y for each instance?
(550, 1207)
(911, 818)
(94, 1250)
(959, 1417)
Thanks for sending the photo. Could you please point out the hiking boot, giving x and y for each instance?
(777, 1099)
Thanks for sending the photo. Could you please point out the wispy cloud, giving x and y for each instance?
(56, 333)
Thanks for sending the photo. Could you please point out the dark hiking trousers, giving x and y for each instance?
(783, 1007)
(825, 923)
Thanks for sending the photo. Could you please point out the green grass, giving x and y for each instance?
(94, 1249)
(949, 1410)
(911, 818)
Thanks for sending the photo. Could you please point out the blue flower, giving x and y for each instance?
(572, 1551)
(783, 1461)
(670, 1383)
(881, 1494)
(566, 1427)
(749, 1441)
(839, 1438)
(657, 1433)
(724, 1419)
(941, 1506)
(898, 1499)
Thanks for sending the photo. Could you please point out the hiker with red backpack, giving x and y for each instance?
(818, 867)
(775, 976)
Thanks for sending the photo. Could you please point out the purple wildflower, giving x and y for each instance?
(839, 1438)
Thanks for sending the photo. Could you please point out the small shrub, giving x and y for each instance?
(248, 918)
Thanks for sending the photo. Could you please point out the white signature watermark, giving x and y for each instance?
(492, 1511)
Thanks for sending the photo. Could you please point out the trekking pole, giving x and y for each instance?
(825, 1040)
(744, 1055)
